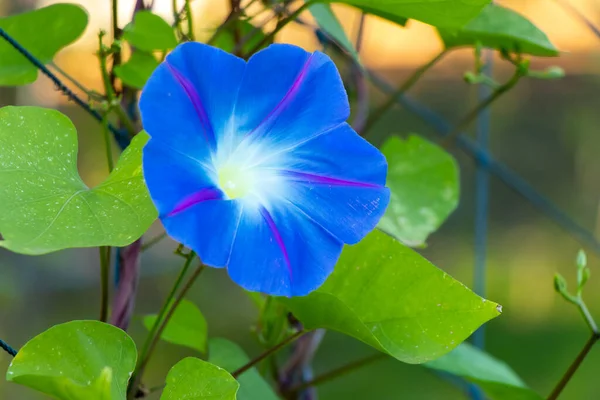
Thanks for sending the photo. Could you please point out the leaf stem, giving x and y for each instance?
(107, 144)
(280, 25)
(589, 320)
(336, 373)
(116, 33)
(153, 241)
(573, 367)
(152, 338)
(496, 94)
(267, 353)
(358, 74)
(105, 252)
(113, 102)
(190, 22)
(176, 17)
(404, 87)
(90, 93)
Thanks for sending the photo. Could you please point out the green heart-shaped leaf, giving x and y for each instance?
(62, 24)
(194, 379)
(150, 32)
(443, 13)
(226, 38)
(500, 28)
(424, 184)
(136, 71)
(186, 327)
(391, 298)
(230, 356)
(78, 360)
(44, 204)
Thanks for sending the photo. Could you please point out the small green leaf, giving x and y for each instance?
(273, 323)
(150, 32)
(391, 298)
(62, 24)
(44, 204)
(187, 327)
(442, 13)
(230, 356)
(581, 261)
(78, 360)
(424, 183)
(500, 28)
(495, 377)
(328, 21)
(136, 71)
(194, 379)
(560, 284)
(226, 38)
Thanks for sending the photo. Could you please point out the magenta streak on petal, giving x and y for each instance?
(278, 239)
(324, 180)
(195, 198)
(194, 97)
(288, 96)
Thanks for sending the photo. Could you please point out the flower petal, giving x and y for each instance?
(299, 95)
(208, 228)
(188, 100)
(338, 179)
(281, 251)
(176, 181)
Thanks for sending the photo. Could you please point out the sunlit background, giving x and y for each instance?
(547, 131)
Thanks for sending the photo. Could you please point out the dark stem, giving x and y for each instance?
(580, 16)
(237, 35)
(382, 109)
(336, 373)
(267, 353)
(467, 119)
(232, 16)
(176, 17)
(298, 368)
(254, 31)
(154, 241)
(167, 318)
(58, 83)
(164, 314)
(573, 367)
(7, 348)
(107, 144)
(189, 20)
(280, 25)
(111, 97)
(105, 252)
(116, 34)
(128, 259)
(362, 90)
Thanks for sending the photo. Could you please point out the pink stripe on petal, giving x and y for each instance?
(288, 96)
(278, 239)
(194, 97)
(198, 197)
(324, 180)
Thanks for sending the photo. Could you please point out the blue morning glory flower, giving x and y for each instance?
(252, 165)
